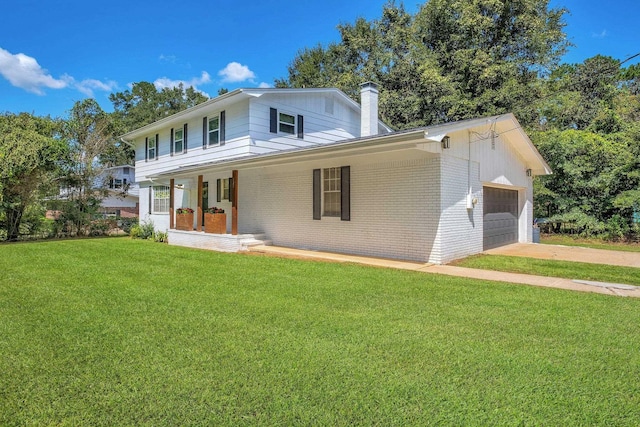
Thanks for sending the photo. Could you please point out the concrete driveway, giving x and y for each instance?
(569, 253)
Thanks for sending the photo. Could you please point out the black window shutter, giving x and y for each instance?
(273, 120)
(222, 127)
(146, 149)
(184, 138)
(171, 142)
(150, 203)
(205, 128)
(317, 196)
(157, 145)
(231, 190)
(345, 193)
(300, 127)
(219, 195)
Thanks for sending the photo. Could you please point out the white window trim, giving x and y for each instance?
(209, 130)
(163, 202)
(150, 148)
(336, 190)
(281, 123)
(176, 140)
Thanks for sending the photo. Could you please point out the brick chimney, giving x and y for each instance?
(368, 109)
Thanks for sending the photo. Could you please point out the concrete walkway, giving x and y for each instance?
(525, 279)
(569, 253)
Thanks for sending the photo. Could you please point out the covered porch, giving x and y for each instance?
(196, 194)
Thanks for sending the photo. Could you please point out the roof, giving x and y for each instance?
(506, 125)
(229, 98)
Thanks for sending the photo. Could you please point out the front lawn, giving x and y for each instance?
(553, 268)
(123, 332)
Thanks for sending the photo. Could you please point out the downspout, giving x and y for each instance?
(470, 200)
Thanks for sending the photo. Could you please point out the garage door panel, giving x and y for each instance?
(500, 217)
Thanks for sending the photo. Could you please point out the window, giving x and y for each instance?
(331, 190)
(125, 171)
(151, 147)
(160, 198)
(214, 130)
(115, 183)
(178, 140)
(332, 193)
(224, 189)
(287, 123)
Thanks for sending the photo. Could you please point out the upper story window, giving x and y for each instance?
(213, 130)
(281, 122)
(125, 170)
(287, 123)
(151, 148)
(178, 141)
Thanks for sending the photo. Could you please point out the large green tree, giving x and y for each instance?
(30, 151)
(141, 105)
(454, 59)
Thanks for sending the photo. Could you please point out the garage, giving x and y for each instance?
(500, 217)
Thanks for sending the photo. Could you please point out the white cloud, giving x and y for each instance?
(165, 82)
(24, 72)
(167, 58)
(236, 72)
(599, 35)
(87, 86)
(264, 85)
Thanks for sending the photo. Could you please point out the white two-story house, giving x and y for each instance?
(123, 192)
(311, 168)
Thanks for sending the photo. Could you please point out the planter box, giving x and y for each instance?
(215, 223)
(184, 221)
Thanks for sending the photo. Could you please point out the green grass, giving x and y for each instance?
(554, 268)
(109, 332)
(567, 240)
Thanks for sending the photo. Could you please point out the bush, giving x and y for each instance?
(161, 237)
(127, 223)
(144, 230)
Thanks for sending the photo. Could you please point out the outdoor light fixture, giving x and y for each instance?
(446, 142)
(528, 172)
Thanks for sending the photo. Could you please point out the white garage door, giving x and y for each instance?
(500, 217)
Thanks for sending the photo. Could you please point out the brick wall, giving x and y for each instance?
(394, 206)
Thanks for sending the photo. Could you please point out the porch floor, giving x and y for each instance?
(216, 242)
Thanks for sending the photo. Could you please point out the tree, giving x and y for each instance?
(453, 60)
(30, 151)
(141, 105)
(89, 132)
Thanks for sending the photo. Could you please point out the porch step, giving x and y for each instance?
(256, 240)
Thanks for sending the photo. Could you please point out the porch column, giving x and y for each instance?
(234, 204)
(171, 199)
(199, 210)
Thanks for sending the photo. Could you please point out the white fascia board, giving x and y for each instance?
(377, 144)
(195, 111)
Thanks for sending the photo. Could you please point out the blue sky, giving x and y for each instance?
(53, 53)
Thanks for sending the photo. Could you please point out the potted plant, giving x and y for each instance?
(215, 221)
(184, 219)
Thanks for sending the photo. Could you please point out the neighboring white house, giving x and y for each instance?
(310, 168)
(123, 192)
